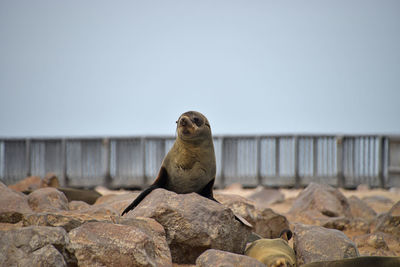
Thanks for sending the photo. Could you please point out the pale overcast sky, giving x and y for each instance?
(106, 68)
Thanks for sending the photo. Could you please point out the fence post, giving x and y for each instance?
(381, 157)
(143, 141)
(339, 161)
(64, 162)
(296, 162)
(222, 182)
(277, 155)
(315, 157)
(258, 143)
(28, 157)
(107, 159)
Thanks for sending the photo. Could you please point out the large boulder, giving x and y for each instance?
(270, 224)
(65, 219)
(28, 184)
(239, 205)
(193, 224)
(107, 244)
(213, 257)
(13, 205)
(265, 221)
(36, 246)
(118, 202)
(360, 209)
(373, 245)
(47, 199)
(317, 203)
(315, 243)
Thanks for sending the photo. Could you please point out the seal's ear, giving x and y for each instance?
(286, 234)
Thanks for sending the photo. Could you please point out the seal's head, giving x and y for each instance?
(192, 126)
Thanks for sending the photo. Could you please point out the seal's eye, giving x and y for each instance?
(197, 121)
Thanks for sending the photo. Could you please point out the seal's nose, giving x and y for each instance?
(183, 121)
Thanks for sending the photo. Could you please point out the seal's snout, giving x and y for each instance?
(184, 121)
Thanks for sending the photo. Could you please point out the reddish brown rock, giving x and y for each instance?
(315, 243)
(36, 246)
(107, 244)
(390, 222)
(359, 209)
(47, 199)
(50, 180)
(28, 184)
(193, 224)
(264, 197)
(325, 199)
(270, 224)
(239, 205)
(13, 205)
(373, 245)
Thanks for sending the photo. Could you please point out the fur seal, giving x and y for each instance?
(190, 164)
(364, 261)
(272, 252)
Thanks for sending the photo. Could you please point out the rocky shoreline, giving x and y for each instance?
(47, 228)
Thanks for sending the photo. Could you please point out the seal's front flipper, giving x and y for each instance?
(158, 183)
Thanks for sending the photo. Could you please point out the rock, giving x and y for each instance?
(36, 246)
(116, 198)
(50, 180)
(272, 252)
(107, 244)
(338, 223)
(118, 202)
(28, 184)
(266, 222)
(46, 256)
(87, 195)
(390, 222)
(270, 224)
(239, 205)
(359, 209)
(78, 205)
(193, 224)
(372, 245)
(378, 203)
(315, 243)
(65, 219)
(325, 199)
(13, 205)
(264, 197)
(363, 187)
(10, 226)
(213, 257)
(47, 199)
